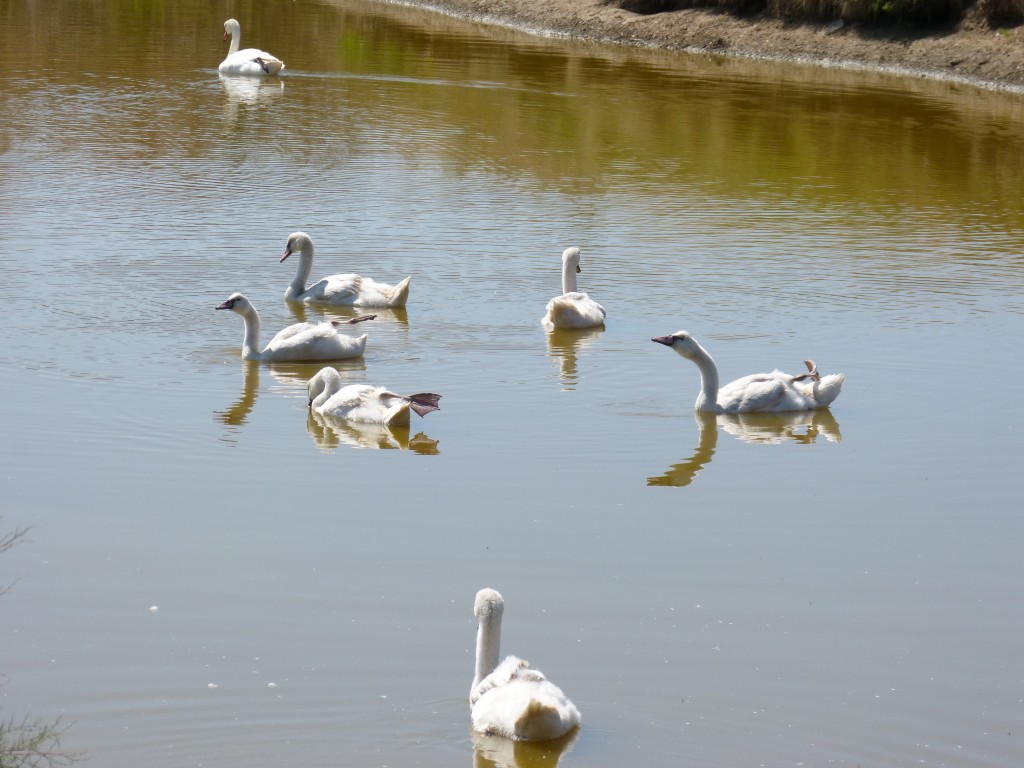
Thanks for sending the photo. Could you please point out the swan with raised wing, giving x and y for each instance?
(330, 396)
(347, 289)
(510, 699)
(249, 61)
(301, 342)
(573, 309)
(775, 391)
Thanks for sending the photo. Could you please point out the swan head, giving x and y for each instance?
(237, 303)
(231, 28)
(682, 343)
(571, 256)
(298, 242)
(489, 604)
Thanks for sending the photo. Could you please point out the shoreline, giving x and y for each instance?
(971, 52)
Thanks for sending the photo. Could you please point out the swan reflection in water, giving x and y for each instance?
(290, 378)
(239, 411)
(301, 313)
(803, 427)
(564, 346)
(496, 752)
(329, 432)
(253, 92)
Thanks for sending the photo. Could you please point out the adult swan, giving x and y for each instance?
(510, 699)
(299, 343)
(251, 61)
(573, 309)
(775, 391)
(351, 290)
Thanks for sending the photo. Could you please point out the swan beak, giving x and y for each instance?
(226, 36)
(287, 253)
(666, 340)
(225, 305)
(578, 270)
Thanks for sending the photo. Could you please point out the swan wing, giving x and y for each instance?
(334, 289)
(758, 392)
(291, 330)
(320, 342)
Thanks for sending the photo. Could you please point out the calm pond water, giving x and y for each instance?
(212, 578)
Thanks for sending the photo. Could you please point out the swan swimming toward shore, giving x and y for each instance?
(572, 309)
(250, 61)
(510, 699)
(347, 289)
(328, 395)
(775, 391)
(301, 342)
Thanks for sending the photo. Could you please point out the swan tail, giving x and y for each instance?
(541, 722)
(401, 294)
(353, 320)
(424, 403)
(828, 389)
(270, 65)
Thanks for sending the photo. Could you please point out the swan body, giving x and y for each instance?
(572, 309)
(301, 342)
(760, 392)
(365, 403)
(347, 289)
(510, 699)
(249, 61)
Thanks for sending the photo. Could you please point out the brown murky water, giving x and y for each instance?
(213, 577)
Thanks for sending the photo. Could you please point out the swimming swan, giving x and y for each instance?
(338, 289)
(572, 309)
(302, 342)
(775, 391)
(510, 699)
(328, 395)
(250, 61)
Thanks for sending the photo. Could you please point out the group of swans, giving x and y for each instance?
(757, 393)
(322, 342)
(250, 61)
(314, 342)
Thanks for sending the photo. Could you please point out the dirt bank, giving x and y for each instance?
(972, 51)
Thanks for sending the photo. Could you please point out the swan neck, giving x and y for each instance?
(236, 38)
(331, 384)
(488, 638)
(251, 340)
(305, 266)
(707, 401)
(568, 277)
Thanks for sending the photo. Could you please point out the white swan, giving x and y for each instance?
(510, 699)
(775, 391)
(250, 61)
(572, 309)
(302, 342)
(338, 289)
(365, 403)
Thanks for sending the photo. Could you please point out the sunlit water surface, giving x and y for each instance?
(214, 578)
